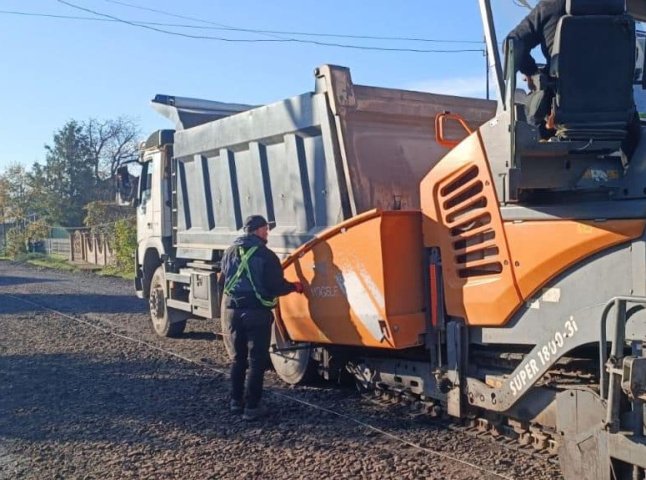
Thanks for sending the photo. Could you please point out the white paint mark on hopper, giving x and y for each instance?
(364, 299)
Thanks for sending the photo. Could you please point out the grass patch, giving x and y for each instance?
(46, 261)
(60, 263)
(113, 271)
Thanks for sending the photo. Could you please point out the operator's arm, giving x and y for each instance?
(526, 36)
(539, 27)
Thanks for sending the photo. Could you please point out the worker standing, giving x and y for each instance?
(252, 279)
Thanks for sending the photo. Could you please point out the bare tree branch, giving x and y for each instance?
(112, 143)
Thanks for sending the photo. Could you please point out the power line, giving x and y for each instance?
(184, 17)
(110, 20)
(235, 29)
(161, 30)
(202, 27)
(280, 32)
(275, 40)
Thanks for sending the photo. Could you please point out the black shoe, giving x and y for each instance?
(255, 413)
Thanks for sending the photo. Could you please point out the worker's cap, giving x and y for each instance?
(254, 222)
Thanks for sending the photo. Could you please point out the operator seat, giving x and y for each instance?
(591, 74)
(593, 64)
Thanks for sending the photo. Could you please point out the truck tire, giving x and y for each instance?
(165, 321)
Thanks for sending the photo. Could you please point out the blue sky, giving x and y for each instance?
(53, 70)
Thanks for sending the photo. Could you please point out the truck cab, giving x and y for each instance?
(153, 208)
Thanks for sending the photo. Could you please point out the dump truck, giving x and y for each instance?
(450, 256)
(306, 163)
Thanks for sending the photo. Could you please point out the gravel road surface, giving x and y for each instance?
(93, 394)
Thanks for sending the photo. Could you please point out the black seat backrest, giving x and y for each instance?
(594, 62)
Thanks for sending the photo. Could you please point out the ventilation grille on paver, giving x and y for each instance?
(473, 238)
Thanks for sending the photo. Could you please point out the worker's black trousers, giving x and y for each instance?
(247, 333)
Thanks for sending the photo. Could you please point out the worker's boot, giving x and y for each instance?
(255, 413)
(236, 407)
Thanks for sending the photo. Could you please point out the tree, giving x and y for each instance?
(80, 167)
(67, 178)
(112, 143)
(14, 193)
(4, 199)
(4, 209)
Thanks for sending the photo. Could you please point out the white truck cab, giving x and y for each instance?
(153, 208)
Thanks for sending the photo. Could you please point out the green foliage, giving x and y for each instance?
(70, 188)
(18, 237)
(119, 225)
(37, 230)
(101, 217)
(79, 168)
(16, 242)
(68, 175)
(125, 243)
(14, 193)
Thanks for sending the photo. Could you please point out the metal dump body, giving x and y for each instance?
(309, 162)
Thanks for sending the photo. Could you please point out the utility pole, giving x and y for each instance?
(486, 55)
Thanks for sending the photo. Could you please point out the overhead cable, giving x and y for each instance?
(263, 40)
(235, 29)
(221, 26)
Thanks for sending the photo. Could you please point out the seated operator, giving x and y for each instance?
(539, 28)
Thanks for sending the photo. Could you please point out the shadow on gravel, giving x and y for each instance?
(156, 402)
(7, 281)
(78, 303)
(200, 336)
(69, 398)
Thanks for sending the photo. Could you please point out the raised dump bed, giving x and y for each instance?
(309, 162)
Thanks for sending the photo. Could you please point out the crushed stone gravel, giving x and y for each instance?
(80, 402)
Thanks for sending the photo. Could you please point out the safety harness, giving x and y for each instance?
(243, 269)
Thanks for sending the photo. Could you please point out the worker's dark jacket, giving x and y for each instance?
(266, 273)
(538, 28)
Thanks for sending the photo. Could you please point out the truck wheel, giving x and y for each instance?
(165, 321)
(292, 361)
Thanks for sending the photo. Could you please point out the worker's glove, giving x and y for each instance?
(298, 287)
